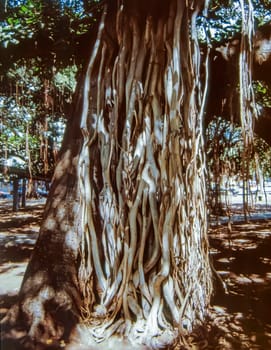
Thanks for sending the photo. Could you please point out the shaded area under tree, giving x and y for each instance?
(238, 320)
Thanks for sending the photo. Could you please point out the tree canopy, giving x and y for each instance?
(45, 44)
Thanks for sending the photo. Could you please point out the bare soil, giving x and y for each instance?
(240, 316)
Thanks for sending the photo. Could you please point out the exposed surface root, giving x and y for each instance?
(38, 323)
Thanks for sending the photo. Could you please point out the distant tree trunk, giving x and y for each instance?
(123, 244)
(23, 202)
(15, 195)
(247, 101)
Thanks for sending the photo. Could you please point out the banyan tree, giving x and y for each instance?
(123, 246)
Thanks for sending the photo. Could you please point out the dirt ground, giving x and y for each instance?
(240, 317)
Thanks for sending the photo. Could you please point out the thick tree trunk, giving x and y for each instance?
(124, 237)
(145, 270)
(50, 301)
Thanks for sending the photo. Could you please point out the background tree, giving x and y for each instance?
(38, 76)
(33, 121)
(224, 148)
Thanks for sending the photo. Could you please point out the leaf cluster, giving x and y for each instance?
(23, 113)
(224, 19)
(55, 31)
(262, 93)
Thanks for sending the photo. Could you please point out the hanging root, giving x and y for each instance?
(144, 269)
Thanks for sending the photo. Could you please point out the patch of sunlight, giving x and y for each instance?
(223, 273)
(221, 235)
(242, 241)
(214, 251)
(241, 279)
(238, 316)
(11, 278)
(220, 310)
(252, 278)
(257, 278)
(235, 326)
(252, 227)
(224, 260)
(240, 244)
(18, 239)
(268, 330)
(265, 260)
(246, 242)
(263, 234)
(227, 260)
(81, 340)
(227, 244)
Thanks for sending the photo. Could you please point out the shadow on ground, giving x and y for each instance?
(240, 316)
(242, 257)
(18, 234)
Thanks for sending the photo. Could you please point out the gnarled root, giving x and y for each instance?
(44, 321)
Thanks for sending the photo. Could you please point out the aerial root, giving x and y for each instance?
(143, 207)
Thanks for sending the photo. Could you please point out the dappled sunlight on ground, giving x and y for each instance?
(242, 257)
(18, 234)
(240, 316)
(12, 278)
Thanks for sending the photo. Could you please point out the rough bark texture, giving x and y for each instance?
(124, 237)
(144, 271)
(50, 301)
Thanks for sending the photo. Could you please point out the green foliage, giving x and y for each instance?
(53, 23)
(40, 40)
(66, 78)
(23, 113)
(262, 93)
(224, 147)
(264, 155)
(225, 17)
(36, 91)
(22, 23)
(224, 143)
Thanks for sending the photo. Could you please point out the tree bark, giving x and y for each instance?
(49, 303)
(15, 205)
(124, 241)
